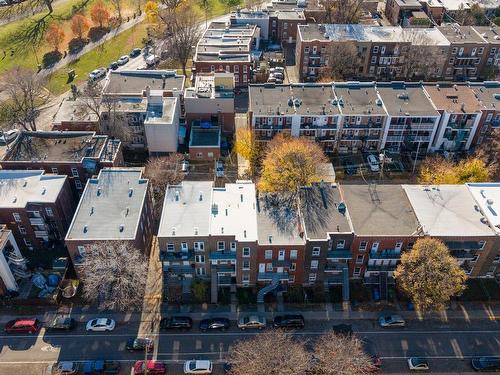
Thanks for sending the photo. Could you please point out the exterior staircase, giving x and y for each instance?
(268, 288)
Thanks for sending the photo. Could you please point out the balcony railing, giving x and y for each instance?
(464, 245)
(267, 276)
(385, 254)
(223, 255)
(178, 269)
(335, 267)
(370, 125)
(41, 234)
(176, 256)
(37, 221)
(380, 268)
(281, 263)
(225, 268)
(339, 254)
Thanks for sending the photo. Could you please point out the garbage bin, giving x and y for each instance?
(71, 74)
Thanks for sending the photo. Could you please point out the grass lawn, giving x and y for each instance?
(101, 56)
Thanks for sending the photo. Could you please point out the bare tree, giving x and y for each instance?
(25, 95)
(253, 4)
(342, 62)
(272, 352)
(341, 355)
(489, 152)
(117, 4)
(171, 4)
(161, 172)
(26, 7)
(113, 275)
(343, 11)
(416, 63)
(182, 33)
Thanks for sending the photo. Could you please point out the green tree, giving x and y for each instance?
(199, 289)
(429, 275)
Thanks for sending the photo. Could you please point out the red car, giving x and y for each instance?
(23, 325)
(154, 367)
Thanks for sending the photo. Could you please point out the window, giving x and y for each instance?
(198, 246)
(375, 49)
(22, 229)
(246, 278)
(382, 50)
(81, 250)
(269, 254)
(199, 258)
(314, 264)
(285, 25)
(200, 271)
(454, 50)
(17, 217)
(473, 52)
(246, 251)
(461, 51)
(357, 271)
(184, 246)
(481, 244)
(291, 278)
(315, 50)
(221, 245)
(74, 172)
(78, 184)
(374, 59)
(245, 69)
(170, 247)
(210, 155)
(54, 170)
(49, 211)
(293, 267)
(362, 245)
(246, 265)
(281, 255)
(236, 78)
(316, 251)
(496, 259)
(340, 244)
(375, 246)
(293, 254)
(236, 68)
(399, 246)
(480, 51)
(451, 60)
(312, 277)
(269, 267)
(233, 246)
(306, 49)
(212, 68)
(228, 69)
(475, 258)
(244, 78)
(359, 259)
(27, 242)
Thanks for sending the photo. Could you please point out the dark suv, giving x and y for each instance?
(176, 322)
(289, 321)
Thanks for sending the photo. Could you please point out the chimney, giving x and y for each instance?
(164, 79)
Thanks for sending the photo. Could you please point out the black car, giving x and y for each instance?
(137, 343)
(135, 52)
(215, 323)
(176, 322)
(349, 167)
(62, 323)
(486, 364)
(289, 321)
(113, 65)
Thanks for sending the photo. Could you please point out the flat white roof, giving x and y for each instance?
(487, 197)
(447, 210)
(17, 188)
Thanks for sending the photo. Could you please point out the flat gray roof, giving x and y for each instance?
(135, 81)
(269, 100)
(446, 210)
(186, 210)
(488, 94)
(316, 99)
(277, 220)
(74, 111)
(380, 210)
(406, 100)
(321, 213)
(111, 206)
(460, 34)
(490, 33)
(358, 99)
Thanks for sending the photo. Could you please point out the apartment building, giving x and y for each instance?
(75, 115)
(79, 155)
(115, 206)
(488, 95)
(149, 101)
(211, 99)
(412, 120)
(460, 116)
(383, 53)
(36, 207)
(210, 232)
(227, 48)
(384, 225)
(204, 141)
(450, 213)
(492, 35)
(399, 12)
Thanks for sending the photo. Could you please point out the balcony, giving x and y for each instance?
(41, 234)
(178, 269)
(464, 245)
(335, 267)
(312, 126)
(268, 276)
(339, 254)
(419, 138)
(327, 138)
(380, 268)
(462, 255)
(225, 269)
(223, 255)
(370, 125)
(177, 256)
(375, 280)
(281, 263)
(37, 221)
(385, 254)
(224, 280)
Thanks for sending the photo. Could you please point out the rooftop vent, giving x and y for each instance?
(85, 229)
(270, 238)
(378, 102)
(122, 227)
(25, 182)
(201, 196)
(130, 192)
(195, 231)
(245, 233)
(342, 208)
(14, 200)
(173, 231)
(127, 211)
(98, 191)
(490, 202)
(44, 190)
(91, 210)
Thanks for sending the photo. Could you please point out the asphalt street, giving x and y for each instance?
(448, 346)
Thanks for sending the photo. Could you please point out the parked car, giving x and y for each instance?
(349, 167)
(185, 166)
(391, 321)
(100, 325)
(152, 60)
(252, 322)
(289, 321)
(198, 367)
(101, 367)
(22, 325)
(65, 368)
(214, 324)
(61, 323)
(135, 52)
(176, 322)
(8, 136)
(418, 364)
(486, 364)
(152, 366)
(138, 343)
(113, 65)
(373, 163)
(123, 60)
(219, 168)
(97, 74)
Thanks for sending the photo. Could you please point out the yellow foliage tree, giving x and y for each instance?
(151, 10)
(290, 163)
(437, 170)
(429, 275)
(247, 147)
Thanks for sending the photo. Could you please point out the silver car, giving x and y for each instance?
(391, 321)
(252, 322)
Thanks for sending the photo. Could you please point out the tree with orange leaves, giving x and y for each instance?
(54, 36)
(79, 25)
(99, 14)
